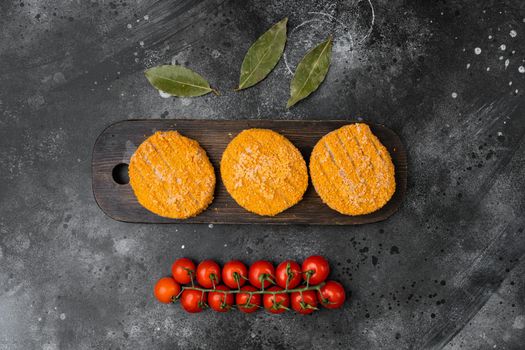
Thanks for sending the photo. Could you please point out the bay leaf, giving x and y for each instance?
(178, 81)
(263, 55)
(310, 72)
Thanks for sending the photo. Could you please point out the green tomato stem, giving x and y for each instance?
(236, 291)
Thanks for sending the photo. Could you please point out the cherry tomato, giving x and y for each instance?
(276, 303)
(166, 289)
(208, 273)
(332, 295)
(288, 271)
(181, 270)
(317, 267)
(241, 299)
(232, 269)
(304, 303)
(193, 301)
(261, 273)
(220, 302)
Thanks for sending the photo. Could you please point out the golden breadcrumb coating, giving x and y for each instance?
(352, 171)
(172, 176)
(264, 172)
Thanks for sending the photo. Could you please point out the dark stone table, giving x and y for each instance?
(446, 271)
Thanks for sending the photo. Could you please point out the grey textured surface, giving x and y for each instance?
(446, 271)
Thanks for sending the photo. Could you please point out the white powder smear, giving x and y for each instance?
(164, 94)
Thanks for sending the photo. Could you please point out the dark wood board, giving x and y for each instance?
(116, 144)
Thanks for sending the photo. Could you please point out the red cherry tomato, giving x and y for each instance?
(220, 302)
(288, 271)
(208, 273)
(241, 299)
(276, 303)
(261, 271)
(181, 270)
(304, 303)
(317, 267)
(232, 269)
(166, 289)
(193, 301)
(332, 295)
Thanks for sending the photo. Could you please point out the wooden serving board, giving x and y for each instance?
(117, 143)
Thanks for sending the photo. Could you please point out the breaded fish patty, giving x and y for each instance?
(172, 176)
(352, 171)
(264, 172)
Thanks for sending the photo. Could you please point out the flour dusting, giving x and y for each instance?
(164, 94)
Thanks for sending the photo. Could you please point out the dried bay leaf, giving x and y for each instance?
(263, 55)
(310, 72)
(178, 81)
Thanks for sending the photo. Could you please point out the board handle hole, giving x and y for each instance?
(120, 174)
